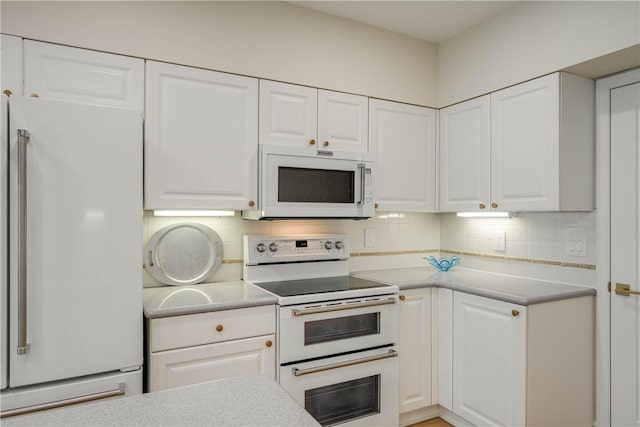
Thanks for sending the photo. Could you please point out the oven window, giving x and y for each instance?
(340, 328)
(315, 185)
(339, 403)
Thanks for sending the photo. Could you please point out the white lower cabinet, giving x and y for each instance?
(176, 368)
(515, 365)
(415, 350)
(195, 348)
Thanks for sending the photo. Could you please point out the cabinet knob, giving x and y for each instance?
(402, 297)
(482, 206)
(312, 142)
(514, 313)
(219, 328)
(325, 144)
(251, 203)
(494, 205)
(268, 343)
(375, 205)
(7, 92)
(35, 95)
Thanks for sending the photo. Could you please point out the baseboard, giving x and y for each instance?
(419, 415)
(452, 418)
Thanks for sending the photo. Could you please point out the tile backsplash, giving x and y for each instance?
(393, 232)
(535, 242)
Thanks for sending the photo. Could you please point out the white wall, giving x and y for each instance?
(274, 40)
(532, 39)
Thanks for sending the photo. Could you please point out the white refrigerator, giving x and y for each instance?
(71, 240)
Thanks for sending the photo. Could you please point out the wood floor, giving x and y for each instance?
(434, 422)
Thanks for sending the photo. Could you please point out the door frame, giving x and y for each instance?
(603, 237)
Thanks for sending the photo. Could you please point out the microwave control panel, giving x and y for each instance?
(283, 249)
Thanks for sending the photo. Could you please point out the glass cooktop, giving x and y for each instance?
(318, 286)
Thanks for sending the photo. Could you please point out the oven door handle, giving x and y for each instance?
(299, 372)
(305, 312)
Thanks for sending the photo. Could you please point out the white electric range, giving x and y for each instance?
(336, 334)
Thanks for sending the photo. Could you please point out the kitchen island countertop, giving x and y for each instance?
(239, 401)
(513, 289)
(178, 300)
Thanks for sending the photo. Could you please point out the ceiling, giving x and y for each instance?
(432, 21)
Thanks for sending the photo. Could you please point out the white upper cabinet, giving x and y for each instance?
(201, 139)
(85, 76)
(403, 140)
(534, 143)
(342, 121)
(525, 135)
(301, 116)
(465, 150)
(11, 64)
(288, 114)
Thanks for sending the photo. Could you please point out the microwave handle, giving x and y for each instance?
(361, 169)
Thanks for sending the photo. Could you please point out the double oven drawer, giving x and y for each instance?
(357, 389)
(315, 330)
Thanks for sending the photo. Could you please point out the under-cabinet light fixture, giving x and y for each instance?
(484, 214)
(192, 213)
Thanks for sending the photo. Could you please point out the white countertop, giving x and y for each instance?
(239, 401)
(178, 300)
(516, 290)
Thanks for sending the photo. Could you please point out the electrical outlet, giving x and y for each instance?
(501, 241)
(369, 237)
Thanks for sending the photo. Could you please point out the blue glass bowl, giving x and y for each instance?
(443, 264)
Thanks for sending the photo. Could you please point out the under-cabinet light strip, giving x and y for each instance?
(192, 213)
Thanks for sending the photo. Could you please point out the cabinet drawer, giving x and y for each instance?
(205, 328)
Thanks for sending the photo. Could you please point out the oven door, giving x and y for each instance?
(297, 184)
(359, 389)
(314, 330)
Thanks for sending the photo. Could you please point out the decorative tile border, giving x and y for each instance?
(419, 251)
(464, 253)
(530, 260)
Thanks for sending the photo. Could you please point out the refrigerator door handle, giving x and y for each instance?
(23, 139)
(120, 391)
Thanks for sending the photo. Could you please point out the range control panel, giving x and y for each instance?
(295, 248)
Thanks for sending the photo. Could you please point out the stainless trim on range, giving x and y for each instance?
(308, 311)
(297, 372)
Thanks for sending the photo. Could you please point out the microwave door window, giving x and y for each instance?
(306, 185)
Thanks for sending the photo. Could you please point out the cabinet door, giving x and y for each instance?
(343, 123)
(489, 360)
(85, 76)
(414, 350)
(525, 146)
(288, 114)
(193, 365)
(201, 136)
(11, 64)
(465, 156)
(403, 139)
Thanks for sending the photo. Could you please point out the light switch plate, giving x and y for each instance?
(575, 245)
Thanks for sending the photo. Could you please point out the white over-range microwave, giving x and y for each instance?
(303, 183)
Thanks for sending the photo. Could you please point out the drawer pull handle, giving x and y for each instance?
(494, 205)
(219, 328)
(514, 313)
(312, 142)
(402, 297)
(325, 144)
(482, 206)
(268, 343)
